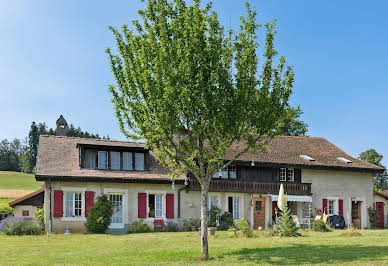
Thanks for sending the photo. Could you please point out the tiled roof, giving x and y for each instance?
(287, 150)
(19, 200)
(58, 157)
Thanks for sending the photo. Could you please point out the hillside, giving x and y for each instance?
(15, 184)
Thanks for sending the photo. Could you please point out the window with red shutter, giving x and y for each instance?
(141, 205)
(58, 203)
(324, 206)
(169, 206)
(341, 207)
(89, 201)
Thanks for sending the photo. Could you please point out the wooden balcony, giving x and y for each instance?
(222, 185)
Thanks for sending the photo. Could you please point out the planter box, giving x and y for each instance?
(211, 231)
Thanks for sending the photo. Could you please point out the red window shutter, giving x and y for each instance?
(89, 201)
(341, 207)
(141, 205)
(324, 206)
(169, 206)
(58, 203)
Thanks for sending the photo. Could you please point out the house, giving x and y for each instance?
(316, 174)
(380, 200)
(26, 206)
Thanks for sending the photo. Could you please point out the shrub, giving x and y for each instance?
(243, 227)
(320, 226)
(170, 226)
(5, 211)
(226, 221)
(214, 216)
(285, 224)
(40, 217)
(139, 227)
(20, 226)
(195, 222)
(99, 216)
(372, 212)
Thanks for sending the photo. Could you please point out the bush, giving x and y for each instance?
(226, 221)
(40, 217)
(243, 227)
(5, 211)
(372, 212)
(139, 227)
(20, 226)
(285, 225)
(214, 216)
(320, 226)
(170, 226)
(99, 216)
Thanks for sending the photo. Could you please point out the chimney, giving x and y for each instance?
(62, 127)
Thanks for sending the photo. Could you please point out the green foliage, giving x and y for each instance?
(99, 215)
(5, 211)
(285, 224)
(139, 227)
(243, 227)
(169, 226)
(291, 125)
(320, 226)
(372, 213)
(352, 232)
(226, 221)
(373, 157)
(191, 224)
(40, 217)
(214, 216)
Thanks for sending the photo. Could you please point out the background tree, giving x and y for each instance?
(191, 90)
(291, 125)
(373, 157)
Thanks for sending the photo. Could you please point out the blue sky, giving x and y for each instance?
(52, 62)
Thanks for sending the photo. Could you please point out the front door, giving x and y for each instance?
(356, 214)
(380, 214)
(117, 219)
(259, 212)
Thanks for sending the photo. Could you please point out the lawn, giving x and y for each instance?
(18, 181)
(5, 201)
(184, 248)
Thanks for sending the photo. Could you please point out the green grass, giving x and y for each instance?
(16, 180)
(184, 248)
(5, 201)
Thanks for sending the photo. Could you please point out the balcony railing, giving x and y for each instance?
(220, 185)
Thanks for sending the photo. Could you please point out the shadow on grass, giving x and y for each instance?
(311, 254)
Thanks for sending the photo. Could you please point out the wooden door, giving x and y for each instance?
(380, 214)
(356, 214)
(259, 212)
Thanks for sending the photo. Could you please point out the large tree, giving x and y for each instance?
(373, 157)
(291, 125)
(191, 89)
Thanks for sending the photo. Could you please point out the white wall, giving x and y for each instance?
(341, 185)
(18, 211)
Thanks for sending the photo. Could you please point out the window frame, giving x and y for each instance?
(156, 192)
(283, 175)
(106, 161)
(335, 205)
(81, 218)
(117, 225)
(134, 163)
(232, 168)
(130, 156)
(209, 201)
(85, 159)
(25, 213)
(290, 170)
(111, 160)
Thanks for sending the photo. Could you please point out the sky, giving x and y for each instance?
(52, 62)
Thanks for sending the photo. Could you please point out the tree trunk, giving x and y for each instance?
(204, 221)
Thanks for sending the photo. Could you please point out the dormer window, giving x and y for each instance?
(90, 159)
(127, 161)
(102, 160)
(344, 160)
(139, 161)
(115, 160)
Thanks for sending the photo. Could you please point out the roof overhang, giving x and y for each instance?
(297, 198)
(110, 147)
(106, 179)
(21, 199)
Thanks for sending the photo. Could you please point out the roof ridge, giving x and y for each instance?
(79, 138)
(301, 137)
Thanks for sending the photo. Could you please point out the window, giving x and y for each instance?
(290, 174)
(139, 161)
(234, 207)
(115, 160)
(217, 174)
(232, 171)
(155, 205)
(330, 208)
(282, 176)
(127, 161)
(26, 213)
(118, 212)
(73, 204)
(224, 173)
(212, 201)
(258, 206)
(90, 159)
(102, 160)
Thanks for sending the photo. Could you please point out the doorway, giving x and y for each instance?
(356, 214)
(380, 214)
(259, 212)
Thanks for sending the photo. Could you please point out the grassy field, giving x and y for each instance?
(5, 201)
(184, 248)
(14, 184)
